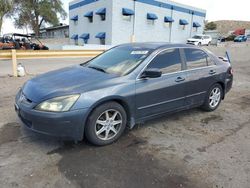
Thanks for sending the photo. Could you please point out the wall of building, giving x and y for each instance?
(120, 29)
(55, 33)
(84, 26)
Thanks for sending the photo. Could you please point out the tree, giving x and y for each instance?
(34, 13)
(6, 7)
(210, 26)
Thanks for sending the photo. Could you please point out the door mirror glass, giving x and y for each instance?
(151, 73)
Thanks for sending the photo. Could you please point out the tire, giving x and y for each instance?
(209, 44)
(199, 44)
(17, 46)
(208, 105)
(109, 128)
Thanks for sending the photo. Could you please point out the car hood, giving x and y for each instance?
(194, 40)
(70, 80)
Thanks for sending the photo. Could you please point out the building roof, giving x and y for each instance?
(157, 3)
(55, 27)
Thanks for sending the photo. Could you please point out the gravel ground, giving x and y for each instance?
(187, 149)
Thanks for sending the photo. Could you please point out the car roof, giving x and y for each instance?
(156, 45)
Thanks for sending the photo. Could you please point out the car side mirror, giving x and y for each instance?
(151, 73)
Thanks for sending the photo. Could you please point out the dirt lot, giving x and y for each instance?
(188, 149)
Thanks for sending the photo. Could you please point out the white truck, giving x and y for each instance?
(200, 40)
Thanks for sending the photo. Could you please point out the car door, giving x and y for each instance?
(201, 74)
(166, 93)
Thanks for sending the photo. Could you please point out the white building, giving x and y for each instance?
(114, 22)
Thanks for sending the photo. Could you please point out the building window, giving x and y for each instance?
(85, 37)
(74, 19)
(151, 17)
(127, 14)
(196, 25)
(102, 13)
(183, 23)
(168, 21)
(75, 38)
(102, 37)
(89, 15)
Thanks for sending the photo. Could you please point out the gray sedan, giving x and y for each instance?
(126, 85)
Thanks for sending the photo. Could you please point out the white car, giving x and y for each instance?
(200, 40)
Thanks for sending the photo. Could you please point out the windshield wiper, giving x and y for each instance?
(97, 68)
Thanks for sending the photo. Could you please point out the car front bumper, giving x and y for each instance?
(69, 125)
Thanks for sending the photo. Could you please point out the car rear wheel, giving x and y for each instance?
(106, 124)
(213, 98)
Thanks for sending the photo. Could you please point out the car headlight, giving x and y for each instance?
(58, 104)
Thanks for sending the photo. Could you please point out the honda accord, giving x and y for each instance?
(126, 85)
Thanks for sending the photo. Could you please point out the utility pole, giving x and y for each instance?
(133, 32)
(171, 24)
(192, 19)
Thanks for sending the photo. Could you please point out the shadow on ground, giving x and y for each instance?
(121, 164)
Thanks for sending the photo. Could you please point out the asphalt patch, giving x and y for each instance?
(10, 132)
(207, 120)
(121, 164)
(244, 102)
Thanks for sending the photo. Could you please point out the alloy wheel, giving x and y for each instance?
(214, 98)
(108, 124)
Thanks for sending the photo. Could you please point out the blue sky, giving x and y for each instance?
(216, 10)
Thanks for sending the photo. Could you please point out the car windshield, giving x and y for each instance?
(197, 37)
(119, 60)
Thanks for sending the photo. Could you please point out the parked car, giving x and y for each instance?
(20, 42)
(230, 37)
(248, 37)
(4, 45)
(221, 39)
(125, 85)
(200, 40)
(240, 38)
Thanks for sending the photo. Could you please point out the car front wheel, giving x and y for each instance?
(106, 124)
(213, 98)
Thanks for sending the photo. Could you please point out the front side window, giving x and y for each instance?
(168, 61)
(196, 58)
(119, 60)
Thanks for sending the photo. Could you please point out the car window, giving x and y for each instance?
(167, 61)
(119, 60)
(197, 37)
(209, 61)
(196, 58)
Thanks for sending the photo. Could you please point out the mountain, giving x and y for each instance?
(225, 26)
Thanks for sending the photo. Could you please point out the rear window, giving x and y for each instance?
(196, 58)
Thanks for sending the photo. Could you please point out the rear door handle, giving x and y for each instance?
(180, 79)
(212, 72)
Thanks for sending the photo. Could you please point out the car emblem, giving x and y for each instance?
(21, 98)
